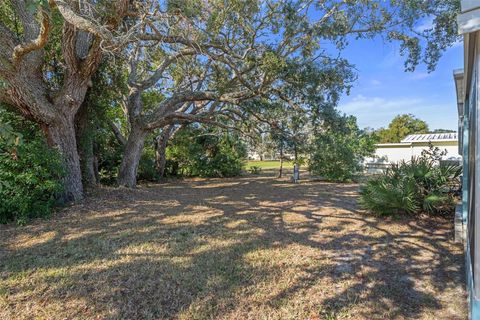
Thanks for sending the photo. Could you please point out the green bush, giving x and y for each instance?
(147, 170)
(420, 185)
(30, 181)
(255, 169)
(337, 151)
(30, 172)
(109, 153)
(205, 152)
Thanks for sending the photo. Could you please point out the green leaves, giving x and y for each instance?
(383, 197)
(420, 185)
(9, 138)
(30, 172)
(3, 84)
(338, 149)
(33, 5)
(272, 63)
(30, 182)
(400, 127)
(206, 152)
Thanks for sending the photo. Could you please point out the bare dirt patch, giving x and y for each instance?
(244, 248)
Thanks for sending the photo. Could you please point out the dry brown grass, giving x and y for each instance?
(247, 248)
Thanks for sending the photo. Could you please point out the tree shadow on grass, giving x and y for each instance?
(230, 248)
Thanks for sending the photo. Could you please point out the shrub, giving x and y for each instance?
(205, 152)
(337, 152)
(146, 168)
(420, 185)
(255, 169)
(109, 153)
(30, 181)
(30, 172)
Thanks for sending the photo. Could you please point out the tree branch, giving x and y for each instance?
(172, 104)
(116, 131)
(80, 22)
(286, 99)
(152, 80)
(200, 118)
(22, 49)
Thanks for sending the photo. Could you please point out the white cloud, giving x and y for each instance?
(426, 24)
(364, 104)
(420, 75)
(375, 82)
(378, 111)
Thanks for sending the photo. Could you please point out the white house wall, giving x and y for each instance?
(396, 152)
(393, 154)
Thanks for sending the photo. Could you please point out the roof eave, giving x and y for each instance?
(468, 23)
(469, 20)
(458, 76)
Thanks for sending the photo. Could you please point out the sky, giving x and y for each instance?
(383, 89)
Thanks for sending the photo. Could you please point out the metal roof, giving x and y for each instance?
(431, 137)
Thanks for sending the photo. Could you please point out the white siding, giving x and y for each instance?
(397, 151)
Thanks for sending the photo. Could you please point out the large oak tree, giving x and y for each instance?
(52, 97)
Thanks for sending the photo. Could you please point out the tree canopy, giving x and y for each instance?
(400, 127)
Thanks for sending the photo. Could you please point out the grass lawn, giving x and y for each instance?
(269, 164)
(244, 248)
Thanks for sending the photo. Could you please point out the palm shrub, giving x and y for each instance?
(422, 184)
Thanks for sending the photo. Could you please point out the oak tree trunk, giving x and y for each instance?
(280, 172)
(85, 142)
(127, 175)
(161, 158)
(160, 151)
(61, 134)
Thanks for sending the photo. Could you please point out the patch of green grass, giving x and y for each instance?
(269, 164)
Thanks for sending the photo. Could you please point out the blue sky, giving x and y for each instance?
(383, 89)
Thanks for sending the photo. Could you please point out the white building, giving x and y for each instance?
(412, 146)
